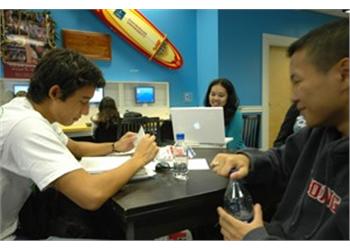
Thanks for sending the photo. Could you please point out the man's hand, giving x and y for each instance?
(223, 163)
(146, 149)
(234, 229)
(125, 143)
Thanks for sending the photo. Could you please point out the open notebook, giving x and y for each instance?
(104, 163)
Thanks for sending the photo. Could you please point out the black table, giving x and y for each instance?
(161, 205)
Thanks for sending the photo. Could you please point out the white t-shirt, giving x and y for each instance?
(31, 150)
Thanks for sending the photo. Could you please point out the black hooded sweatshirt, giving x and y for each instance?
(312, 169)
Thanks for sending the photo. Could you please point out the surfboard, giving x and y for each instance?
(136, 29)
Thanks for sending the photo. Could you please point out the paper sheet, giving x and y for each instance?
(198, 164)
(139, 136)
(95, 165)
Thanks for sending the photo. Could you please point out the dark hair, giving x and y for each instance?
(108, 112)
(232, 103)
(325, 45)
(66, 68)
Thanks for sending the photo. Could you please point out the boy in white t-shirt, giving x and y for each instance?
(33, 149)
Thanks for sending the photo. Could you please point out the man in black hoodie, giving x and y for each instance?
(312, 168)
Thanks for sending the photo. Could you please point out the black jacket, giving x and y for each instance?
(312, 169)
(287, 125)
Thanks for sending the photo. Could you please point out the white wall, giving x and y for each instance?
(122, 92)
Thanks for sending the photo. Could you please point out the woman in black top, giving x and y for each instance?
(106, 121)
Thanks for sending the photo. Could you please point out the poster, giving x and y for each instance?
(25, 37)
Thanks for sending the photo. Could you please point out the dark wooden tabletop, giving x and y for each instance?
(168, 204)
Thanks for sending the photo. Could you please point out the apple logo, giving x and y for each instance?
(197, 126)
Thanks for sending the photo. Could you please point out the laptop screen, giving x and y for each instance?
(201, 125)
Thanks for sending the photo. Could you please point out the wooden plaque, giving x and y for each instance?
(93, 45)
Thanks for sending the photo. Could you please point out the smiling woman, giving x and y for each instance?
(221, 93)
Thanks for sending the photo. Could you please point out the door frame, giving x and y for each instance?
(269, 40)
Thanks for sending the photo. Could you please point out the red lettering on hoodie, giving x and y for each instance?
(324, 195)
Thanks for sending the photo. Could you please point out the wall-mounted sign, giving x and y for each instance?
(93, 45)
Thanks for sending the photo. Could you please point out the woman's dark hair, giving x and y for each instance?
(232, 103)
(66, 68)
(108, 112)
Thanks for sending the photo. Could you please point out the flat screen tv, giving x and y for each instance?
(144, 94)
(98, 95)
(20, 87)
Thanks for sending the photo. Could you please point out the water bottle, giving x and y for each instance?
(237, 201)
(180, 153)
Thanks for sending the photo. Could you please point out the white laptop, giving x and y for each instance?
(202, 126)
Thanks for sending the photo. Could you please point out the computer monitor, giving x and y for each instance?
(98, 96)
(144, 94)
(20, 87)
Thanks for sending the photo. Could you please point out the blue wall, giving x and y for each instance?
(129, 65)
(240, 43)
(207, 50)
(213, 43)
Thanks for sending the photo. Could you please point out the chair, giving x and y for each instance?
(150, 125)
(251, 129)
(130, 124)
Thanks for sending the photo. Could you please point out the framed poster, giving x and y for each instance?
(26, 36)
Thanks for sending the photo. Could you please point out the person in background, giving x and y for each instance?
(292, 123)
(105, 122)
(21, 93)
(34, 149)
(312, 168)
(221, 93)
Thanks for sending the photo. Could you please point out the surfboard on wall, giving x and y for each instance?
(143, 35)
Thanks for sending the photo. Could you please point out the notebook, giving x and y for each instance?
(101, 164)
(202, 126)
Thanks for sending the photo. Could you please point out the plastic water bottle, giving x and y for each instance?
(180, 153)
(238, 201)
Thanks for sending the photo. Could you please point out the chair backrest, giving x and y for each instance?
(130, 124)
(105, 133)
(151, 125)
(251, 129)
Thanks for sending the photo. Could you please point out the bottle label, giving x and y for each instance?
(178, 151)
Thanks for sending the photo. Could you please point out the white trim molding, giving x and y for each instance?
(268, 41)
(251, 109)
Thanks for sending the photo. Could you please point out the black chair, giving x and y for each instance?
(151, 125)
(130, 124)
(251, 129)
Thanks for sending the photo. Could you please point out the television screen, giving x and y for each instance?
(20, 87)
(98, 95)
(144, 94)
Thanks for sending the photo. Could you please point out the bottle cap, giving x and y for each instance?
(180, 136)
